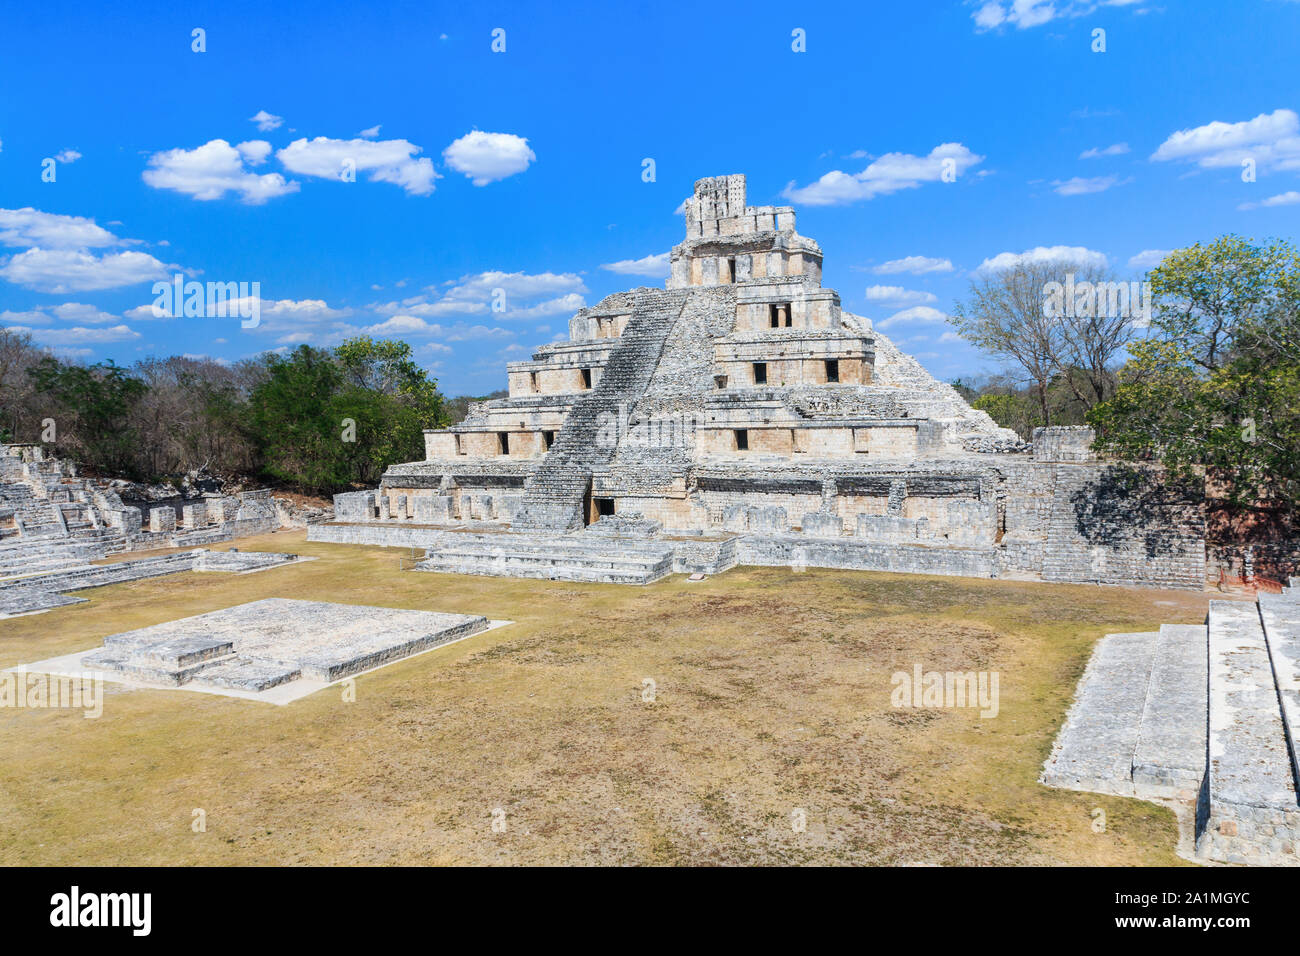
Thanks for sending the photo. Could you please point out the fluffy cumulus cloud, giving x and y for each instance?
(897, 295)
(1272, 140)
(388, 161)
(489, 157)
(655, 266)
(67, 156)
(31, 227)
(215, 169)
(1076, 254)
(884, 175)
(266, 121)
(915, 265)
(61, 271)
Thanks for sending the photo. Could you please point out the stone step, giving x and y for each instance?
(1169, 759)
(1280, 615)
(546, 571)
(176, 653)
(1248, 760)
(244, 673)
(134, 667)
(1095, 748)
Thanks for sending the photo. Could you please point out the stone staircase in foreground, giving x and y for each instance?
(577, 557)
(554, 495)
(1203, 716)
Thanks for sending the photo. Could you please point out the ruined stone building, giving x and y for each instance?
(740, 415)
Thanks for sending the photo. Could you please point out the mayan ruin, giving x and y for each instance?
(740, 416)
(605, 439)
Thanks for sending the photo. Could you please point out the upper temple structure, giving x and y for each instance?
(741, 416)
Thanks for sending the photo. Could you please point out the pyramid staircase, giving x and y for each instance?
(554, 495)
(1204, 716)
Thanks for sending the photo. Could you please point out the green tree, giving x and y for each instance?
(1217, 385)
(91, 407)
(325, 420)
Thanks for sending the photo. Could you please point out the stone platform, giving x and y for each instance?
(1202, 718)
(251, 649)
(44, 590)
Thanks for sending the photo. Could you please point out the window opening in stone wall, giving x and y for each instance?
(742, 439)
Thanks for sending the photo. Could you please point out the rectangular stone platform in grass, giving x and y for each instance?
(275, 649)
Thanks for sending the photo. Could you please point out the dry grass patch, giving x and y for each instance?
(772, 693)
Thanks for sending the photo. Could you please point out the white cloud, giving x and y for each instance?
(951, 338)
(214, 169)
(254, 151)
(67, 156)
(371, 133)
(1082, 185)
(31, 227)
(9, 319)
(888, 174)
(916, 265)
(488, 157)
(517, 285)
(1024, 14)
(64, 270)
(266, 121)
(1289, 198)
(897, 295)
(399, 325)
(1147, 258)
(1076, 254)
(80, 312)
(655, 266)
(389, 161)
(78, 335)
(912, 316)
(563, 305)
(1271, 139)
(1118, 149)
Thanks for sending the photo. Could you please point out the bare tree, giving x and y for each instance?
(1057, 320)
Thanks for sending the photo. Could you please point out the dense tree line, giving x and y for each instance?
(317, 420)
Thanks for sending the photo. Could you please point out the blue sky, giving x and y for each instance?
(522, 170)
